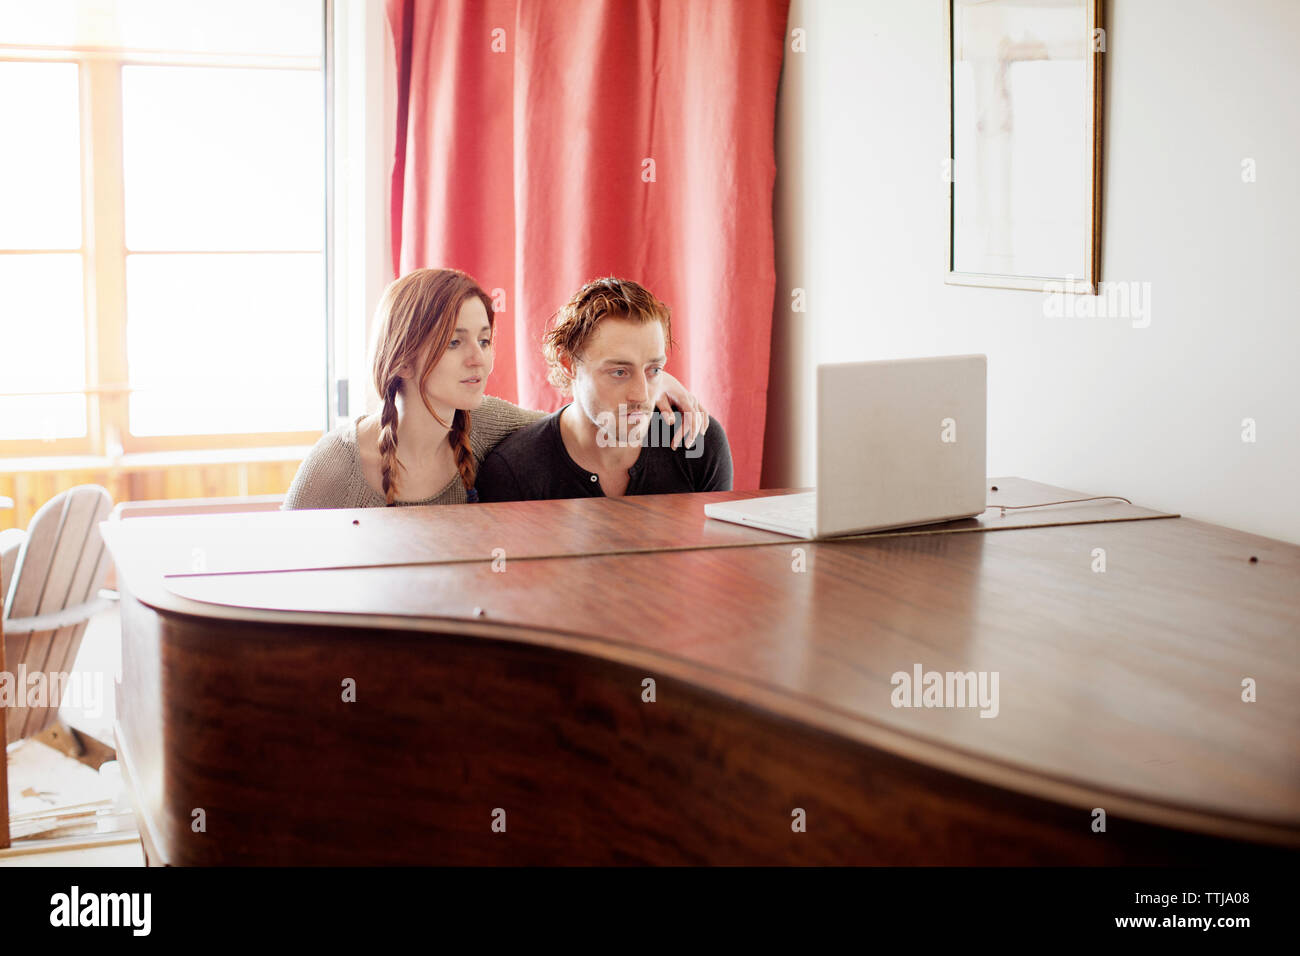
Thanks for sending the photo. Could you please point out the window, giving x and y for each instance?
(162, 225)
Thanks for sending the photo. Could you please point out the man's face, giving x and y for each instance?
(617, 378)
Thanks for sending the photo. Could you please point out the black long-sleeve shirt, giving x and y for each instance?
(533, 464)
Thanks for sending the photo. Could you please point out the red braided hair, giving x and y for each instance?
(415, 320)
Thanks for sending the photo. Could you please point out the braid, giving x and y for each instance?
(458, 438)
(388, 442)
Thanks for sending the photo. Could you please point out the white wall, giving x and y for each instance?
(1155, 414)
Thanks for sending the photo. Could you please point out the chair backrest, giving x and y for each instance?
(11, 542)
(62, 562)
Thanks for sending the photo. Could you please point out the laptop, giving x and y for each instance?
(899, 443)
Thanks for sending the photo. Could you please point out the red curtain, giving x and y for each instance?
(543, 143)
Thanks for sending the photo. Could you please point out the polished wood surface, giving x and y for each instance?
(1126, 683)
(148, 548)
(297, 540)
(1119, 690)
(449, 729)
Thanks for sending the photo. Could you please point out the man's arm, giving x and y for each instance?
(710, 459)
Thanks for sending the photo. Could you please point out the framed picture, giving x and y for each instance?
(1025, 146)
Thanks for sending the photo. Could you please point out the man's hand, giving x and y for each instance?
(695, 419)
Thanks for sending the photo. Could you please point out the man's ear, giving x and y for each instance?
(566, 363)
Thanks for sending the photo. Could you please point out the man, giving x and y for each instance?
(608, 348)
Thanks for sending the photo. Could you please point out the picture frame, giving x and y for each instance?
(1025, 95)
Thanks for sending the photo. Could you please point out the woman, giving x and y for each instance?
(433, 355)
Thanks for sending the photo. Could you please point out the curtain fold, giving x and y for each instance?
(543, 144)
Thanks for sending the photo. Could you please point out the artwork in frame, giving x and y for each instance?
(1024, 83)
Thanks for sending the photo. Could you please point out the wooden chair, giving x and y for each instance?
(50, 576)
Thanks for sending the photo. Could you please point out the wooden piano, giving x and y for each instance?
(623, 681)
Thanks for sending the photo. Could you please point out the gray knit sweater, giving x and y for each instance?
(330, 476)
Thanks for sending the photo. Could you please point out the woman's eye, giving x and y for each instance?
(453, 343)
(486, 343)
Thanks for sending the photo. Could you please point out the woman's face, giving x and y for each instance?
(459, 380)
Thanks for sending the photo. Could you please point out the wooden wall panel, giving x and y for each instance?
(31, 489)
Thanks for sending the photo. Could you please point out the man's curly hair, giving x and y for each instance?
(576, 322)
